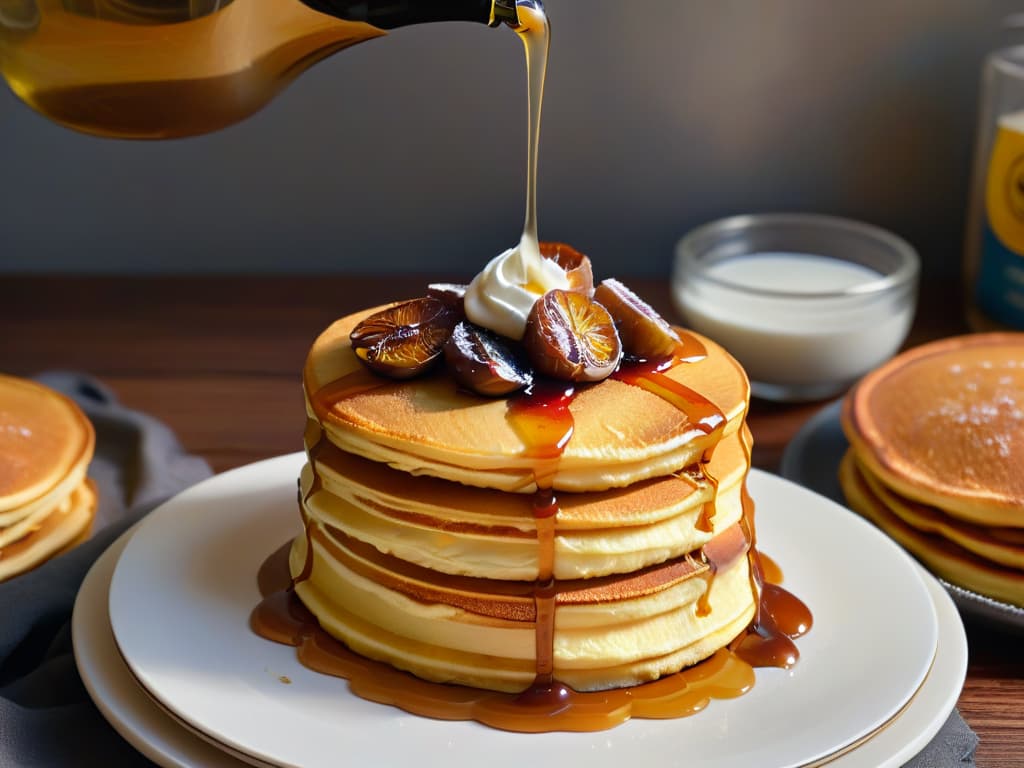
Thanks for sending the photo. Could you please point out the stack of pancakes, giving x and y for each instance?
(46, 502)
(436, 538)
(937, 458)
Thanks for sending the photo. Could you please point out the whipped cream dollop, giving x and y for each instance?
(501, 296)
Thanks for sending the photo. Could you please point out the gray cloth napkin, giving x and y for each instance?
(47, 719)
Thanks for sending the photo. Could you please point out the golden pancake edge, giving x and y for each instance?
(47, 504)
(944, 558)
(44, 437)
(622, 433)
(423, 547)
(943, 424)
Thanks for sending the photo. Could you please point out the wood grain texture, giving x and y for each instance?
(218, 359)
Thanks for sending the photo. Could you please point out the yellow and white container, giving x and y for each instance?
(995, 227)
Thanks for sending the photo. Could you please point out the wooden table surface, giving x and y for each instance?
(218, 359)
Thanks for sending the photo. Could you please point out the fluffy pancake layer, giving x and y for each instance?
(487, 533)
(937, 447)
(947, 559)
(943, 424)
(608, 632)
(622, 433)
(44, 438)
(46, 502)
(430, 546)
(63, 527)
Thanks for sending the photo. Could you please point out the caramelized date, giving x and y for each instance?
(576, 265)
(485, 362)
(568, 336)
(404, 340)
(451, 294)
(642, 330)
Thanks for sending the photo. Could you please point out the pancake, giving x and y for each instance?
(622, 433)
(596, 535)
(1002, 546)
(487, 533)
(608, 632)
(44, 439)
(46, 502)
(942, 557)
(943, 425)
(63, 527)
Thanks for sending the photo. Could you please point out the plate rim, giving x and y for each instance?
(763, 478)
(89, 620)
(126, 719)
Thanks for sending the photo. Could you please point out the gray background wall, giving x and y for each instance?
(407, 153)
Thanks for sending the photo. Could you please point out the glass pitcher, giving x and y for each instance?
(157, 69)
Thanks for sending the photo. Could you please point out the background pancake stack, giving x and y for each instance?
(472, 540)
(46, 502)
(937, 458)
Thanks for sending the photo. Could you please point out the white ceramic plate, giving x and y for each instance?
(812, 460)
(133, 714)
(144, 725)
(185, 583)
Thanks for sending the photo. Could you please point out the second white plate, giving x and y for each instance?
(184, 586)
(164, 741)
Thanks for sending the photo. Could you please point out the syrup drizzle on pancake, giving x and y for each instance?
(540, 417)
(544, 422)
(650, 375)
(771, 570)
(351, 384)
(706, 521)
(281, 617)
(545, 593)
(315, 487)
(702, 413)
(780, 616)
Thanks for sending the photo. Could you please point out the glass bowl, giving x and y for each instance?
(807, 303)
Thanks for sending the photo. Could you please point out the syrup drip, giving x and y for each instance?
(545, 512)
(541, 417)
(542, 420)
(779, 617)
(313, 455)
(307, 565)
(719, 554)
(689, 350)
(545, 593)
(545, 691)
(650, 375)
(770, 570)
(701, 412)
(351, 384)
(535, 33)
(706, 521)
(704, 601)
(281, 617)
